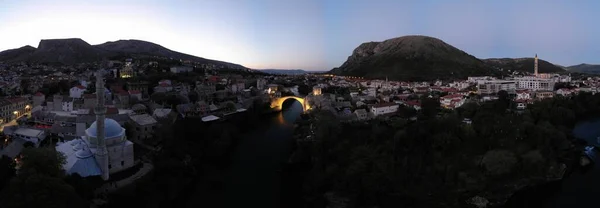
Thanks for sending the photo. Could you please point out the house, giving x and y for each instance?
(452, 101)
(384, 108)
(77, 91)
(544, 95)
(565, 92)
(523, 94)
(361, 114)
(143, 126)
(67, 104)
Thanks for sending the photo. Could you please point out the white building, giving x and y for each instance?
(361, 114)
(30, 135)
(67, 104)
(77, 91)
(494, 86)
(384, 108)
(535, 84)
(260, 84)
(452, 101)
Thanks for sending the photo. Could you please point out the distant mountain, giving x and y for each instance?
(412, 58)
(75, 50)
(139, 47)
(523, 65)
(284, 71)
(585, 68)
(17, 53)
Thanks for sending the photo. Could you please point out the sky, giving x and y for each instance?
(313, 34)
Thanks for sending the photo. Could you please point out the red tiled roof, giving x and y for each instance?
(80, 87)
(16, 99)
(451, 89)
(88, 96)
(522, 91)
(38, 94)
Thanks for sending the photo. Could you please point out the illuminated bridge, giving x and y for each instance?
(277, 103)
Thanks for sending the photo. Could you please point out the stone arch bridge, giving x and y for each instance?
(276, 103)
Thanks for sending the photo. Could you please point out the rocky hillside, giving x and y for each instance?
(412, 58)
(75, 50)
(585, 68)
(522, 65)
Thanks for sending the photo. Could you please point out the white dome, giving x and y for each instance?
(83, 153)
(112, 129)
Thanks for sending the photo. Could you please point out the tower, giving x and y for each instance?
(535, 66)
(101, 153)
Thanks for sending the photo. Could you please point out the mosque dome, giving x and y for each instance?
(83, 153)
(112, 129)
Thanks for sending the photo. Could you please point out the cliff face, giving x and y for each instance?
(67, 51)
(411, 58)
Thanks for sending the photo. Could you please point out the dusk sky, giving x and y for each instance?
(313, 34)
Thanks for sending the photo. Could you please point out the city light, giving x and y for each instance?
(16, 112)
(27, 107)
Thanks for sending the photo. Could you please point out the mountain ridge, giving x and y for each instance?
(76, 50)
(585, 68)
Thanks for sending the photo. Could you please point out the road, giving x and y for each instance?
(13, 122)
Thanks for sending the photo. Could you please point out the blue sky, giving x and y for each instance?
(313, 34)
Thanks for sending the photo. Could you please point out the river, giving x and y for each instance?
(579, 189)
(254, 177)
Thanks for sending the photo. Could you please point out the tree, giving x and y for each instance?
(40, 182)
(230, 106)
(7, 170)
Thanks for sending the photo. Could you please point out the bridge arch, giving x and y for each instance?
(277, 103)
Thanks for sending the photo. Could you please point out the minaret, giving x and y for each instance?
(101, 154)
(535, 66)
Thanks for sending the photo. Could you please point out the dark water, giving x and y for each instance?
(580, 189)
(254, 179)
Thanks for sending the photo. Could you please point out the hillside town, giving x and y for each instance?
(27, 103)
(62, 106)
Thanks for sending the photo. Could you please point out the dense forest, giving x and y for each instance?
(439, 160)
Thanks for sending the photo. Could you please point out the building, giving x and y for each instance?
(135, 95)
(34, 136)
(452, 101)
(140, 86)
(522, 95)
(361, 114)
(316, 90)
(127, 70)
(384, 108)
(67, 104)
(89, 101)
(77, 91)
(103, 150)
(181, 69)
(143, 126)
(260, 84)
(38, 99)
(535, 83)
(540, 95)
(495, 86)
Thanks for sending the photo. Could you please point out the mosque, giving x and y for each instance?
(103, 150)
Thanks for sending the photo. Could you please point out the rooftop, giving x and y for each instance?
(143, 119)
(29, 132)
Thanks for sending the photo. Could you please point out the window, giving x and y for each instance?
(122, 163)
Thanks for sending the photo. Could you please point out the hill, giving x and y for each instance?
(17, 53)
(412, 58)
(75, 50)
(284, 71)
(522, 65)
(585, 68)
(145, 48)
